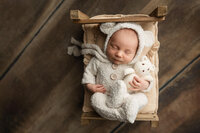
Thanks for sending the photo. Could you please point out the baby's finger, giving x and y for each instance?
(136, 90)
(133, 85)
(137, 78)
(99, 85)
(104, 90)
(136, 83)
(100, 88)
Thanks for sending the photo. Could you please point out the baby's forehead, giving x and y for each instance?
(125, 31)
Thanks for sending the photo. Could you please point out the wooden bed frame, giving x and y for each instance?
(157, 15)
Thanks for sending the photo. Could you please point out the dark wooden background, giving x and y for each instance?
(40, 90)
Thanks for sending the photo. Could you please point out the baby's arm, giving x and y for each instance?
(139, 84)
(89, 77)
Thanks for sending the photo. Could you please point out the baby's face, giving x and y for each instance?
(122, 46)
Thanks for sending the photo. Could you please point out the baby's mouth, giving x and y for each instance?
(118, 60)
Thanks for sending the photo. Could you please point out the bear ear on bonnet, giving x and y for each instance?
(106, 27)
(149, 38)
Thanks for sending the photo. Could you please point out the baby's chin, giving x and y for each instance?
(118, 62)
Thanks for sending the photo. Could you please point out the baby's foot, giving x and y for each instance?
(98, 103)
(131, 108)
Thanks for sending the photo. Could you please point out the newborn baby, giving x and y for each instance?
(121, 49)
(104, 73)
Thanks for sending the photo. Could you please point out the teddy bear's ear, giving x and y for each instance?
(128, 71)
(106, 27)
(149, 38)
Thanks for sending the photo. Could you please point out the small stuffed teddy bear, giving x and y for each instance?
(142, 69)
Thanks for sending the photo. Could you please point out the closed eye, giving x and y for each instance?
(128, 52)
(114, 46)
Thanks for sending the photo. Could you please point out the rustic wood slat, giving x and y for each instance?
(140, 117)
(178, 104)
(124, 19)
(87, 118)
(20, 23)
(179, 38)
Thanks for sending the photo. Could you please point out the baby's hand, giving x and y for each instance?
(96, 88)
(138, 84)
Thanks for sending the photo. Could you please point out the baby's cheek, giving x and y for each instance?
(130, 58)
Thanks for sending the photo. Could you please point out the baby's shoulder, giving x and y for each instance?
(94, 61)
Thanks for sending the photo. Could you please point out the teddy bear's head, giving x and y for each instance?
(144, 66)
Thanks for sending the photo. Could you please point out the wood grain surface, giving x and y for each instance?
(20, 23)
(40, 89)
(178, 105)
(179, 37)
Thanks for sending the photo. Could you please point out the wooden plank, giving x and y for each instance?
(179, 38)
(123, 19)
(20, 22)
(191, 125)
(140, 117)
(179, 104)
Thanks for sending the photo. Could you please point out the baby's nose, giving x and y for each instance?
(119, 53)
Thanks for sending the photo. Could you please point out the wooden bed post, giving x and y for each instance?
(160, 11)
(77, 15)
(155, 122)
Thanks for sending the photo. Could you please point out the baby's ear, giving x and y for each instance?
(149, 38)
(106, 27)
